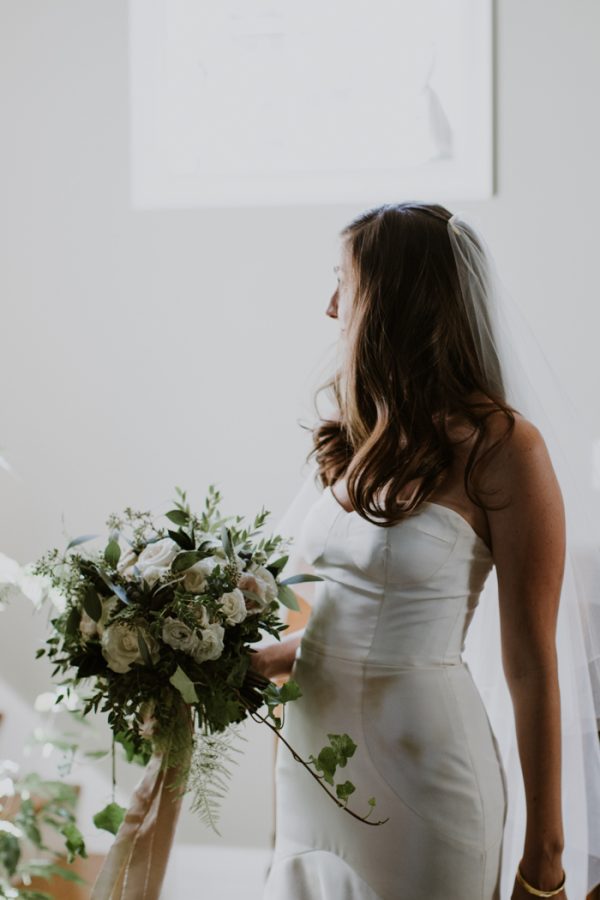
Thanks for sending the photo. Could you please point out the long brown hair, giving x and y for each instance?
(410, 363)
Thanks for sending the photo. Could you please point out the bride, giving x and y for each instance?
(428, 478)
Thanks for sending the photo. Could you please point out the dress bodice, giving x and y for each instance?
(398, 595)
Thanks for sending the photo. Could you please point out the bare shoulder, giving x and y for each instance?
(525, 515)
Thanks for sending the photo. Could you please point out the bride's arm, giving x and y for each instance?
(528, 544)
(277, 658)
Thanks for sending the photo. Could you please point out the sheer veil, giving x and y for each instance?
(513, 359)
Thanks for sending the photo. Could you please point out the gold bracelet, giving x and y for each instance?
(536, 891)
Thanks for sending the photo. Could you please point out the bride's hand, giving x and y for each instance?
(261, 661)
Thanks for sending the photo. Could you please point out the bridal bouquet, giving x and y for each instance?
(162, 620)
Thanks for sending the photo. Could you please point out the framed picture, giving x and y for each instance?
(257, 102)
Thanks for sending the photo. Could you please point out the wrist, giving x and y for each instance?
(543, 870)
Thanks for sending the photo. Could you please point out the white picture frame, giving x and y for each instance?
(259, 103)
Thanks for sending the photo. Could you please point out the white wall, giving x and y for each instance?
(144, 350)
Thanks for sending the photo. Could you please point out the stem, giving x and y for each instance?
(114, 769)
(258, 718)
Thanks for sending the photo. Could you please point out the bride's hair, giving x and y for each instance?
(409, 363)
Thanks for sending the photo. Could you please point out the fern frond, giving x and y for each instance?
(210, 772)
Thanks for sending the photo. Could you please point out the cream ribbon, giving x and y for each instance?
(135, 866)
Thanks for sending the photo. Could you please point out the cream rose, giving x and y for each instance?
(233, 606)
(155, 559)
(211, 643)
(126, 563)
(120, 647)
(195, 577)
(180, 636)
(261, 582)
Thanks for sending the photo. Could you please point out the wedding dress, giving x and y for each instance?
(381, 659)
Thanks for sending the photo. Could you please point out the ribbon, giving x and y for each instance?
(135, 866)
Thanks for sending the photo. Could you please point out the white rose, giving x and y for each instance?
(195, 577)
(200, 614)
(179, 636)
(211, 643)
(269, 582)
(126, 563)
(233, 606)
(120, 647)
(155, 559)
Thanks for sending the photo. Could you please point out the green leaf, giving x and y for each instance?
(46, 869)
(371, 801)
(73, 841)
(344, 790)
(110, 818)
(73, 620)
(144, 651)
(289, 690)
(326, 763)
(287, 597)
(112, 554)
(92, 604)
(276, 566)
(10, 852)
(343, 747)
(178, 517)
(226, 541)
(81, 540)
(185, 560)
(184, 685)
(301, 578)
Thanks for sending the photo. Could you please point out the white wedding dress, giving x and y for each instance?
(381, 661)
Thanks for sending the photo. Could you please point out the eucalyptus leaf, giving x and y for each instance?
(83, 539)
(115, 588)
(287, 597)
(300, 579)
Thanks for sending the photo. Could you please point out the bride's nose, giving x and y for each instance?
(332, 308)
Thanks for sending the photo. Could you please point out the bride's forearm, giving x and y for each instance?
(536, 703)
(277, 658)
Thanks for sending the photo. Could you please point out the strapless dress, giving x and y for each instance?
(381, 661)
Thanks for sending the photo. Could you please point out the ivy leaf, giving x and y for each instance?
(110, 818)
(344, 790)
(184, 684)
(301, 578)
(73, 841)
(289, 690)
(178, 517)
(326, 763)
(112, 554)
(343, 747)
(287, 597)
(92, 604)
